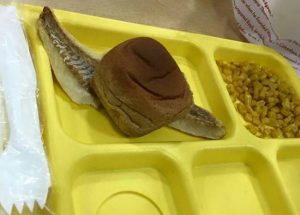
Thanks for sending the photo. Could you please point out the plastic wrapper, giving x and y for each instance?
(24, 178)
(272, 23)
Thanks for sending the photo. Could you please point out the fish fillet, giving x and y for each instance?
(73, 67)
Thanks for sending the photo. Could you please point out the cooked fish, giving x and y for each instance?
(199, 122)
(73, 66)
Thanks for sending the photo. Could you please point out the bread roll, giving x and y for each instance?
(141, 86)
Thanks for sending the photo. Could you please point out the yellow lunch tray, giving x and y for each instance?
(98, 171)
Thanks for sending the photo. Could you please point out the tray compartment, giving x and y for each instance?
(236, 181)
(261, 56)
(87, 125)
(129, 183)
(289, 163)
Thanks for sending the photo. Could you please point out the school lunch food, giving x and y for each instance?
(269, 106)
(137, 82)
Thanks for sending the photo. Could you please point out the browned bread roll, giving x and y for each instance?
(141, 86)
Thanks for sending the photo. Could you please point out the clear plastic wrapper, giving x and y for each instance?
(24, 178)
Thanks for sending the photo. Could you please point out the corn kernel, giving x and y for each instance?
(261, 103)
(227, 71)
(230, 88)
(255, 120)
(252, 129)
(280, 123)
(267, 131)
(264, 112)
(277, 133)
(265, 120)
(289, 134)
(233, 98)
(241, 108)
(285, 112)
(297, 110)
(293, 127)
(279, 116)
(262, 93)
(248, 99)
(288, 128)
(287, 119)
(254, 77)
(263, 76)
(272, 115)
(248, 117)
(286, 104)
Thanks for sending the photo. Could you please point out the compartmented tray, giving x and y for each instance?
(97, 170)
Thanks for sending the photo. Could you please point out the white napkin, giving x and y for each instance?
(273, 23)
(24, 173)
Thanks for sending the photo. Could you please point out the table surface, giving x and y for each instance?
(210, 17)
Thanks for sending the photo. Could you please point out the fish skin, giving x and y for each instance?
(198, 122)
(72, 66)
(79, 63)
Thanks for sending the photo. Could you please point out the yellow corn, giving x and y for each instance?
(268, 104)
